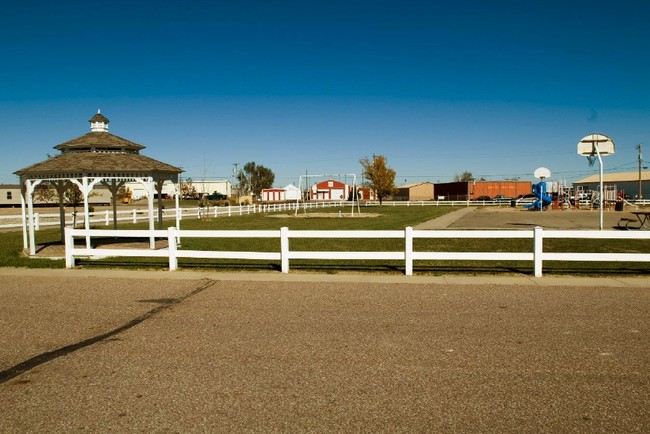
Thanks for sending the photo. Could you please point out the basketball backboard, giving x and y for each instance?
(587, 146)
(542, 172)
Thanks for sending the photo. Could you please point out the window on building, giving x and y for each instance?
(9, 195)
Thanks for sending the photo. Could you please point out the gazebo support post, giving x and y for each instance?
(159, 187)
(85, 188)
(114, 188)
(149, 187)
(177, 203)
(23, 207)
(29, 191)
(60, 187)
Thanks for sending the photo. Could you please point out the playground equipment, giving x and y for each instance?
(539, 190)
(341, 192)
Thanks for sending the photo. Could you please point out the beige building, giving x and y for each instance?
(416, 191)
(624, 183)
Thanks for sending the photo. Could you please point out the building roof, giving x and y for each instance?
(615, 177)
(415, 184)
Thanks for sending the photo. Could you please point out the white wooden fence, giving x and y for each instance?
(142, 215)
(538, 256)
(136, 215)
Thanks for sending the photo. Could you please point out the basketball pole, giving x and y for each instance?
(600, 196)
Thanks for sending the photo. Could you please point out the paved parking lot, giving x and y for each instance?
(186, 352)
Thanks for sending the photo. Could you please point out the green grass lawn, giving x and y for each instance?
(390, 218)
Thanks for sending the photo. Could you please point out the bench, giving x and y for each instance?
(627, 222)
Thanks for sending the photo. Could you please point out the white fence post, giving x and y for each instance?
(538, 250)
(37, 222)
(408, 253)
(284, 249)
(69, 245)
(171, 243)
(107, 220)
(135, 215)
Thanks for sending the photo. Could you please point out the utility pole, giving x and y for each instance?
(235, 176)
(638, 147)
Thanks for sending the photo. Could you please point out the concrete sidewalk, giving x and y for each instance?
(263, 276)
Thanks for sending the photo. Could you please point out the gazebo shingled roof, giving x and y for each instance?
(99, 140)
(98, 164)
(100, 153)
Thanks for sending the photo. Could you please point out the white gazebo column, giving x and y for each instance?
(29, 190)
(23, 208)
(150, 188)
(60, 186)
(177, 204)
(86, 188)
(159, 188)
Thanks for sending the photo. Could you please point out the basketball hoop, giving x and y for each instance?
(591, 159)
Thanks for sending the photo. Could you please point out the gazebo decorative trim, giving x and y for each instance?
(97, 157)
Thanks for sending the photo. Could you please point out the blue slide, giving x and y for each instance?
(543, 200)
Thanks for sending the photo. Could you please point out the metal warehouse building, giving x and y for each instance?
(628, 183)
(464, 190)
(418, 191)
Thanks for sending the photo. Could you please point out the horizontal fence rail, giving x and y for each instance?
(408, 254)
(136, 215)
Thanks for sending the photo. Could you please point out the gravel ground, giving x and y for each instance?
(136, 352)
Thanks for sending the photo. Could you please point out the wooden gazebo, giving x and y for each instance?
(96, 158)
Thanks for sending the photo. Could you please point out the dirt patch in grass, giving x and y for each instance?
(326, 215)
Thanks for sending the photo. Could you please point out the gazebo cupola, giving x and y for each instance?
(99, 123)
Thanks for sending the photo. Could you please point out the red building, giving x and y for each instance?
(330, 190)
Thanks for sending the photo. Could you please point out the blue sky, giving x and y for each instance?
(497, 88)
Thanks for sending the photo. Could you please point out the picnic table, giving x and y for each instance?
(642, 217)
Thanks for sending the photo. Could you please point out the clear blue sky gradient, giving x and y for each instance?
(497, 88)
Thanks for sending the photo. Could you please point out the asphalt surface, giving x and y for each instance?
(152, 351)
(120, 351)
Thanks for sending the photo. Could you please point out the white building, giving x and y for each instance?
(290, 192)
(203, 187)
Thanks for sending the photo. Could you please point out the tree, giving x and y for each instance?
(45, 193)
(123, 194)
(381, 178)
(73, 195)
(464, 177)
(253, 179)
(188, 190)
